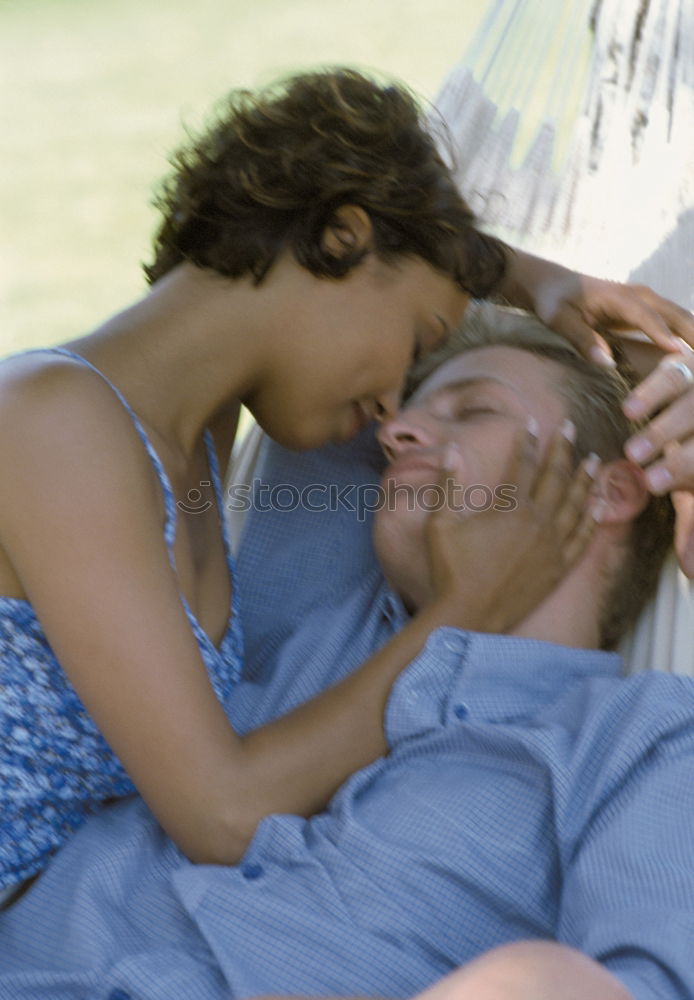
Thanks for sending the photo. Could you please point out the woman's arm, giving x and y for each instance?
(81, 520)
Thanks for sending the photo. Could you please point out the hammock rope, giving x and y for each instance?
(570, 130)
(580, 116)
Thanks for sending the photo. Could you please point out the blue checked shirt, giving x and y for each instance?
(530, 792)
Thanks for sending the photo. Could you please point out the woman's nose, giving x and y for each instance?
(387, 405)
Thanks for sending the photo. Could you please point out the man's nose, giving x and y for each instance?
(404, 432)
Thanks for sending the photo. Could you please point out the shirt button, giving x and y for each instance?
(453, 644)
(119, 995)
(461, 711)
(252, 871)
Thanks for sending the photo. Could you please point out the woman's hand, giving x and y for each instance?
(579, 306)
(492, 568)
(665, 446)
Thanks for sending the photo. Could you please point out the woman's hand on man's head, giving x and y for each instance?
(583, 308)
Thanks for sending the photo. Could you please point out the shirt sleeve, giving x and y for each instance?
(627, 897)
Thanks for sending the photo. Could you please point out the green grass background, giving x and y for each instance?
(95, 94)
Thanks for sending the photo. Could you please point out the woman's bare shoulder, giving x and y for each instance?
(46, 379)
(55, 398)
(61, 421)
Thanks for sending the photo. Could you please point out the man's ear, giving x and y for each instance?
(620, 492)
(349, 232)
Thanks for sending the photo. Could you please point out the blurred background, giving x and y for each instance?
(96, 93)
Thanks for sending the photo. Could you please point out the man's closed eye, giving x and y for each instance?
(468, 412)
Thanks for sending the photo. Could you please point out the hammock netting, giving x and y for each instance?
(571, 130)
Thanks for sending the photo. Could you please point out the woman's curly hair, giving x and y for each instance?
(276, 164)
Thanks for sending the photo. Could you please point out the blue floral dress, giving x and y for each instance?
(55, 767)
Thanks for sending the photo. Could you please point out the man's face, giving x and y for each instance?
(466, 417)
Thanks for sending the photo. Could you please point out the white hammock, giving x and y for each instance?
(570, 127)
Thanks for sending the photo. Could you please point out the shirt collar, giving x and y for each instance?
(492, 678)
(506, 675)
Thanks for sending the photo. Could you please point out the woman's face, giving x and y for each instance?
(344, 346)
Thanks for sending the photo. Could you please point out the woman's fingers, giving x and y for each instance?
(598, 304)
(674, 470)
(667, 443)
(569, 321)
(674, 425)
(671, 319)
(579, 512)
(665, 447)
(522, 468)
(447, 502)
(637, 307)
(558, 493)
(567, 507)
(672, 378)
(555, 472)
(560, 496)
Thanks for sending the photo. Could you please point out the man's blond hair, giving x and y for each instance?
(594, 398)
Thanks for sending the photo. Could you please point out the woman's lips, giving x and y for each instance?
(362, 419)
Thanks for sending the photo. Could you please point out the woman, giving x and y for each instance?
(312, 245)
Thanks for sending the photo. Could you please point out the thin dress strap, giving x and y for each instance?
(168, 494)
(217, 485)
(231, 643)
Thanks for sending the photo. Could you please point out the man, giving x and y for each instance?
(530, 792)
